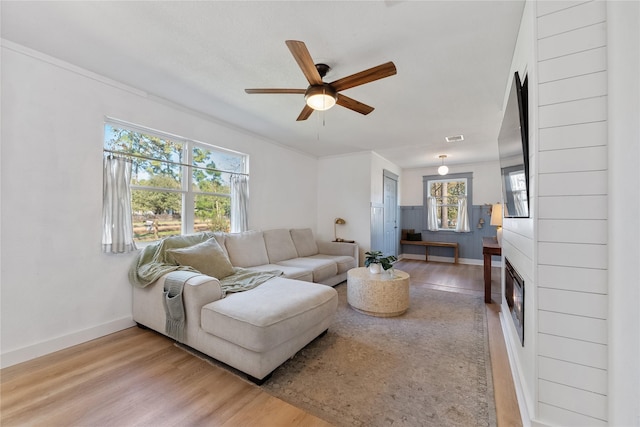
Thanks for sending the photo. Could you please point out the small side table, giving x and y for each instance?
(381, 295)
(490, 247)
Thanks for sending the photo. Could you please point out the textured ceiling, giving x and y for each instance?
(453, 60)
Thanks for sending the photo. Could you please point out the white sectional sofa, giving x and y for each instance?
(256, 330)
(295, 252)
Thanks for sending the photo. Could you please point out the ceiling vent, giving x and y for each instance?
(454, 138)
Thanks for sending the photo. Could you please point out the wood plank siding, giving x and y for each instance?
(572, 179)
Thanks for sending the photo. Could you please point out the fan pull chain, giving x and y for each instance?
(324, 100)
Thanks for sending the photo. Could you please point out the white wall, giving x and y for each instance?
(58, 289)
(486, 182)
(344, 192)
(623, 19)
(518, 233)
(572, 243)
(579, 252)
(347, 186)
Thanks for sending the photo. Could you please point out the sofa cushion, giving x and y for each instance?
(322, 268)
(289, 272)
(246, 249)
(279, 245)
(206, 257)
(304, 241)
(247, 320)
(344, 262)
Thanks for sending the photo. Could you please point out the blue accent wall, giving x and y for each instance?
(469, 244)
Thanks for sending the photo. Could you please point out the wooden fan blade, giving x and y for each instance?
(296, 91)
(366, 76)
(354, 105)
(306, 112)
(305, 62)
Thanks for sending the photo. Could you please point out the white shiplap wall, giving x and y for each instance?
(572, 213)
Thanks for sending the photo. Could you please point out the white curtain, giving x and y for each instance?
(432, 214)
(462, 223)
(239, 202)
(117, 227)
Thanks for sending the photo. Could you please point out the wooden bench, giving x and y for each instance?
(426, 244)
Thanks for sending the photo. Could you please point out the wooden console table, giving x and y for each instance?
(490, 247)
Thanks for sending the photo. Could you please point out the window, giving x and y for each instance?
(178, 186)
(446, 194)
(444, 199)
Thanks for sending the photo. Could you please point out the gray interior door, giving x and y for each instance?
(390, 199)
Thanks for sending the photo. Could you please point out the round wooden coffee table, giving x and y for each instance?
(382, 295)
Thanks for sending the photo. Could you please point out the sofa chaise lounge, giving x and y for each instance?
(254, 330)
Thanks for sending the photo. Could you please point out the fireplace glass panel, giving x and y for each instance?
(514, 294)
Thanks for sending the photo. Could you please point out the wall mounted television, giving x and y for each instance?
(513, 146)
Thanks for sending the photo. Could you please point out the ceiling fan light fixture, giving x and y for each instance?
(320, 97)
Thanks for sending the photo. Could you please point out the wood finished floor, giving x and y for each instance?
(137, 377)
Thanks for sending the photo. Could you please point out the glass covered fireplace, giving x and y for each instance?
(514, 294)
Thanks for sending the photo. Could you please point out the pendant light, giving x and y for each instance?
(443, 169)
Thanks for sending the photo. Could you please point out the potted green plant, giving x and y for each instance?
(376, 262)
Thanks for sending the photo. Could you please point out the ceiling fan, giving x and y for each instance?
(322, 96)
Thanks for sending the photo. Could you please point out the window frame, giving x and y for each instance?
(188, 189)
(455, 177)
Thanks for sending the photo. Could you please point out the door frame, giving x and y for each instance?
(395, 208)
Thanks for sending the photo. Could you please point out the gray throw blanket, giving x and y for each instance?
(173, 303)
(244, 279)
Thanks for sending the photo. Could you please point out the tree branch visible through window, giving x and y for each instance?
(446, 193)
(178, 186)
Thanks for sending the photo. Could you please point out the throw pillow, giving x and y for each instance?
(406, 232)
(206, 257)
(414, 237)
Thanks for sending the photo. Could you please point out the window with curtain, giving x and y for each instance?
(178, 186)
(447, 201)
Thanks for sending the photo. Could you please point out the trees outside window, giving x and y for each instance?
(446, 193)
(178, 186)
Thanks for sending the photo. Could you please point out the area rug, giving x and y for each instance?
(428, 367)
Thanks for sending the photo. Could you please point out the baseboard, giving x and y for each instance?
(23, 354)
(520, 393)
(468, 261)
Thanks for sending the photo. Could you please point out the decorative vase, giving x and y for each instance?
(375, 268)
